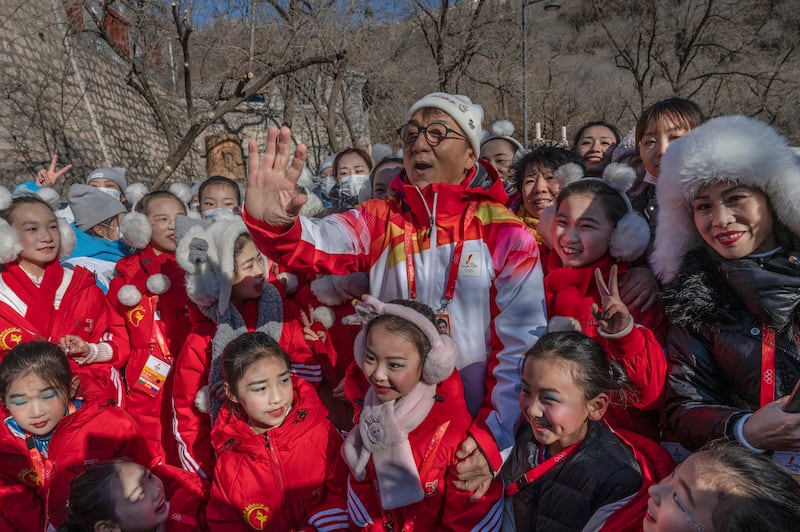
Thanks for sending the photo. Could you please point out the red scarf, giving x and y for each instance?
(572, 291)
(39, 299)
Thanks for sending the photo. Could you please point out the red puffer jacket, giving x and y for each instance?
(31, 496)
(79, 308)
(434, 444)
(572, 292)
(168, 312)
(270, 481)
(191, 426)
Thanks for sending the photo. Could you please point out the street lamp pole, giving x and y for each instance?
(551, 5)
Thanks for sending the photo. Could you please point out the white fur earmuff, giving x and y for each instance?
(443, 355)
(182, 191)
(68, 239)
(631, 235)
(134, 192)
(136, 230)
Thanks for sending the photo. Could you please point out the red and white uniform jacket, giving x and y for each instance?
(67, 301)
(497, 311)
(34, 487)
(158, 326)
(572, 292)
(434, 444)
(191, 426)
(271, 481)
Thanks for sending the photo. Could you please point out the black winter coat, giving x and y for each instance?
(601, 472)
(717, 308)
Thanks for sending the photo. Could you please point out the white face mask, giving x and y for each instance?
(114, 193)
(328, 183)
(219, 213)
(351, 185)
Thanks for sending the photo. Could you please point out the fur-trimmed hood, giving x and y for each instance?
(733, 149)
(706, 292)
(698, 295)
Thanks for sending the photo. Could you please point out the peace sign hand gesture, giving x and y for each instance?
(48, 178)
(614, 317)
(272, 193)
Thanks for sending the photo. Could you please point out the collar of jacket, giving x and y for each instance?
(233, 432)
(481, 184)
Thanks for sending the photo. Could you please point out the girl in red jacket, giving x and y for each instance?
(126, 496)
(50, 434)
(40, 299)
(402, 452)
(148, 291)
(274, 444)
(595, 235)
(226, 280)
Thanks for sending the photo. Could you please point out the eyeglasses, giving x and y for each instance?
(435, 133)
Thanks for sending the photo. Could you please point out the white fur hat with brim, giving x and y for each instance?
(205, 252)
(10, 245)
(728, 149)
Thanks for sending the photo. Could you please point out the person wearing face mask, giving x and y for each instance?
(99, 245)
(109, 180)
(445, 239)
(219, 197)
(351, 168)
(325, 178)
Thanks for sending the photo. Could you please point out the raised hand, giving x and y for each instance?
(272, 193)
(48, 178)
(307, 320)
(612, 315)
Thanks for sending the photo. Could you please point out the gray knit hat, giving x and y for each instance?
(115, 174)
(92, 206)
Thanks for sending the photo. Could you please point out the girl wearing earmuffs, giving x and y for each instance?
(401, 453)
(595, 236)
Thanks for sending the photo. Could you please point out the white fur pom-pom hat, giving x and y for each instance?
(727, 149)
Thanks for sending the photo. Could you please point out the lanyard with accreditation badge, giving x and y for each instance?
(786, 459)
(156, 369)
(455, 262)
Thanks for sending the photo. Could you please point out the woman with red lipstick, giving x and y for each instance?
(40, 299)
(726, 250)
(148, 291)
(227, 282)
(50, 433)
(594, 143)
(275, 445)
(123, 496)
